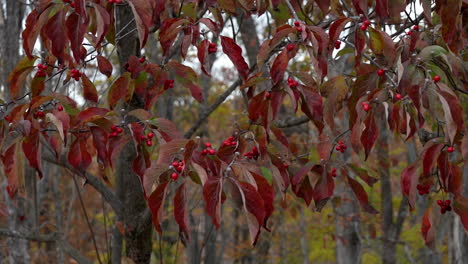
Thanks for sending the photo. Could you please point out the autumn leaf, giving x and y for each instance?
(234, 52)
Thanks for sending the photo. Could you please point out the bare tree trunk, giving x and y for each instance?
(138, 235)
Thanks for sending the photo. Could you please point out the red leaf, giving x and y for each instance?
(143, 13)
(34, 23)
(312, 106)
(455, 179)
(171, 149)
(335, 30)
(381, 8)
(382, 44)
(12, 170)
(324, 187)
(92, 113)
(266, 192)
(409, 180)
(361, 195)
(140, 164)
(187, 77)
(202, 55)
(324, 5)
(156, 202)
(180, 211)
(360, 6)
(430, 156)
(32, 150)
(55, 31)
(253, 204)
(80, 8)
(76, 30)
(19, 74)
(212, 194)
(363, 174)
(118, 90)
(210, 24)
(78, 155)
(102, 24)
(426, 227)
(105, 67)
(100, 138)
(169, 31)
(369, 135)
(453, 113)
(114, 147)
(37, 85)
(301, 184)
(359, 43)
(89, 90)
(279, 67)
(234, 52)
(460, 206)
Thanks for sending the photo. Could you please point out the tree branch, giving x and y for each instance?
(108, 195)
(291, 122)
(52, 238)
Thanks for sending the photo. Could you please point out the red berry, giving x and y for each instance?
(41, 73)
(208, 145)
(419, 187)
(72, 4)
(174, 176)
(380, 72)
(119, 130)
(142, 59)
(179, 169)
(448, 208)
(338, 148)
(290, 47)
(440, 202)
(447, 202)
(416, 27)
(409, 33)
(296, 23)
(211, 151)
(267, 95)
(175, 164)
(40, 114)
(150, 135)
(450, 149)
(299, 29)
(60, 108)
(367, 23)
(113, 134)
(8, 119)
(398, 96)
(285, 165)
(436, 78)
(337, 44)
(363, 27)
(114, 128)
(142, 137)
(204, 152)
(340, 142)
(443, 210)
(149, 143)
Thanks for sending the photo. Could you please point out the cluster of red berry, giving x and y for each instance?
(41, 70)
(415, 28)
(292, 83)
(208, 150)
(423, 189)
(298, 26)
(230, 141)
(212, 48)
(75, 74)
(115, 1)
(333, 172)
(253, 154)
(365, 24)
(38, 115)
(341, 146)
(116, 130)
(168, 84)
(290, 47)
(178, 166)
(365, 106)
(444, 206)
(148, 138)
(337, 44)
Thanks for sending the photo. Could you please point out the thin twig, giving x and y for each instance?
(87, 218)
(291, 8)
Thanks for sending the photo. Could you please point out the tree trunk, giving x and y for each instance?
(138, 230)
